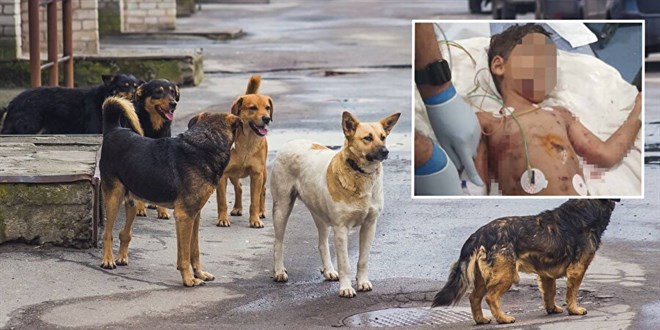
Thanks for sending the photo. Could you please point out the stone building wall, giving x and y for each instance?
(10, 22)
(148, 15)
(85, 27)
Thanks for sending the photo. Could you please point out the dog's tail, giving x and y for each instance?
(460, 277)
(253, 84)
(113, 108)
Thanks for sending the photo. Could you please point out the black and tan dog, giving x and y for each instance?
(155, 103)
(59, 110)
(553, 244)
(248, 158)
(179, 172)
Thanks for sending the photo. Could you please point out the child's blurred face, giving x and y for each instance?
(531, 69)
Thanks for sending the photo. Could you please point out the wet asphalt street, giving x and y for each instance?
(317, 59)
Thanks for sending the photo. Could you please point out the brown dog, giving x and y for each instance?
(552, 244)
(248, 158)
(180, 173)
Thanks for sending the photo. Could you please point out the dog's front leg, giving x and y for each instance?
(548, 287)
(256, 185)
(194, 253)
(341, 247)
(184, 228)
(221, 195)
(367, 232)
(141, 209)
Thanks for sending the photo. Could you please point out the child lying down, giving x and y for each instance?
(532, 150)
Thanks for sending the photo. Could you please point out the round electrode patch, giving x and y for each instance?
(579, 185)
(537, 184)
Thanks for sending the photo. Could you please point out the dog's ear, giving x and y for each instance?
(236, 124)
(139, 91)
(107, 79)
(389, 122)
(270, 101)
(195, 119)
(177, 93)
(236, 106)
(349, 123)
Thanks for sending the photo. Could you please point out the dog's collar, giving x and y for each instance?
(355, 166)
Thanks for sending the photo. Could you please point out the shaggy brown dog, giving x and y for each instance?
(553, 244)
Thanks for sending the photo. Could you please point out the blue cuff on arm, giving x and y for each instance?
(441, 97)
(436, 163)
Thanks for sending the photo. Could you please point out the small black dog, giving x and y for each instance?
(155, 103)
(552, 244)
(59, 110)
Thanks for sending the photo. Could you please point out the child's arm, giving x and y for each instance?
(609, 153)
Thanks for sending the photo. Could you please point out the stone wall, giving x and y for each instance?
(85, 27)
(10, 18)
(148, 15)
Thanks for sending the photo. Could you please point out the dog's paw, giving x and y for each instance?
(281, 276)
(505, 319)
(482, 320)
(330, 275)
(193, 282)
(204, 276)
(348, 292)
(236, 212)
(554, 310)
(141, 212)
(364, 286)
(108, 264)
(256, 224)
(162, 213)
(121, 261)
(262, 215)
(223, 222)
(577, 311)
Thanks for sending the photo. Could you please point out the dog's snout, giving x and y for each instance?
(265, 120)
(173, 105)
(383, 152)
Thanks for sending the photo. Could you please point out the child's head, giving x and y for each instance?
(523, 59)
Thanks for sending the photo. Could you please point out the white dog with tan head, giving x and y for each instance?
(341, 189)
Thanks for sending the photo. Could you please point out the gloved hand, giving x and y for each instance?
(438, 176)
(457, 129)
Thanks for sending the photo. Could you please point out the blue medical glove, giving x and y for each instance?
(457, 129)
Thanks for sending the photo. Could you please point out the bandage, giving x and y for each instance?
(437, 177)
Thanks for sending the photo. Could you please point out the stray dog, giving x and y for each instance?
(341, 189)
(248, 158)
(155, 103)
(59, 110)
(553, 244)
(179, 172)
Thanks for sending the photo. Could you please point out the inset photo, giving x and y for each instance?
(542, 108)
